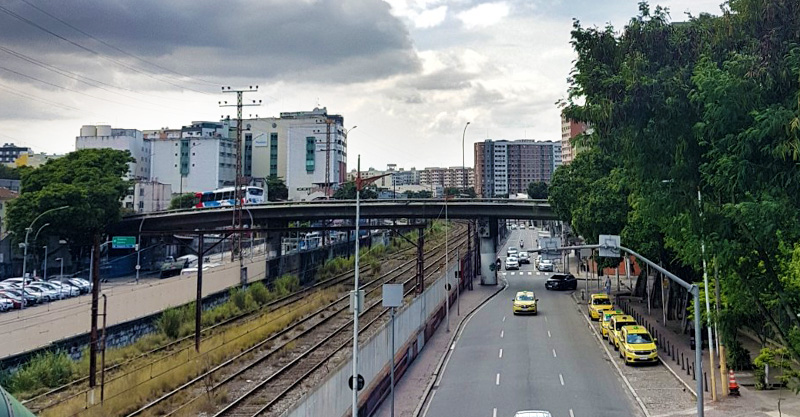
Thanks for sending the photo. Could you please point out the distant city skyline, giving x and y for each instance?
(409, 73)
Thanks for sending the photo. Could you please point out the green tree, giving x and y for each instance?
(419, 194)
(538, 190)
(347, 191)
(89, 181)
(9, 173)
(185, 200)
(460, 192)
(276, 189)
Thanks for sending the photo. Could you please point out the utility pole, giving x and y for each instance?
(237, 183)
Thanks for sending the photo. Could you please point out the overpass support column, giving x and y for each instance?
(487, 232)
(421, 261)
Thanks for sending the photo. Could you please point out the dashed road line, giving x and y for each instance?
(548, 334)
(571, 414)
(494, 412)
(554, 353)
(501, 354)
(497, 379)
(502, 332)
(504, 319)
(561, 378)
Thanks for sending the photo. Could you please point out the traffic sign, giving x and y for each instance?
(359, 382)
(123, 242)
(550, 247)
(609, 246)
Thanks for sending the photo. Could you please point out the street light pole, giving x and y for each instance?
(699, 342)
(44, 273)
(446, 267)
(25, 253)
(61, 260)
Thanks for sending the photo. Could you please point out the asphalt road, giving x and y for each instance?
(503, 363)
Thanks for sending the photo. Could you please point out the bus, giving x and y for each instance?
(223, 197)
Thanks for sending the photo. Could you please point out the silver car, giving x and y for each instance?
(65, 289)
(48, 294)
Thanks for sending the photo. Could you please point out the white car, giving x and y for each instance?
(545, 265)
(533, 413)
(511, 251)
(47, 294)
(512, 263)
(524, 258)
(66, 289)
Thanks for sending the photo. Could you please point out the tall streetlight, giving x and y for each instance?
(27, 233)
(463, 165)
(61, 261)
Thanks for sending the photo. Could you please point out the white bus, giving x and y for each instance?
(224, 197)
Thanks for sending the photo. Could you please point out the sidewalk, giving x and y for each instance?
(677, 355)
(411, 387)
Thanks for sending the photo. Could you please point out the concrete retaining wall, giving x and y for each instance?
(412, 327)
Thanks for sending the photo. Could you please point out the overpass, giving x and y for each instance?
(273, 218)
(191, 220)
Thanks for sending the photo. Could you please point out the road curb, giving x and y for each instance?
(426, 395)
(613, 362)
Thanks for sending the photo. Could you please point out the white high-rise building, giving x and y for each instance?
(199, 157)
(297, 147)
(132, 140)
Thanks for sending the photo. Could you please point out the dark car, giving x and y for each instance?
(561, 282)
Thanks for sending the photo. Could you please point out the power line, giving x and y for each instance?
(68, 89)
(114, 47)
(92, 51)
(34, 98)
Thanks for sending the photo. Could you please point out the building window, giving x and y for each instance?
(273, 154)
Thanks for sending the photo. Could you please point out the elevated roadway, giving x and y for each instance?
(280, 213)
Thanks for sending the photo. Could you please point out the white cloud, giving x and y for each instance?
(422, 14)
(484, 15)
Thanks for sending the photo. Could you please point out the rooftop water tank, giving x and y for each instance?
(88, 130)
(103, 130)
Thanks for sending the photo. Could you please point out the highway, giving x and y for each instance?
(503, 363)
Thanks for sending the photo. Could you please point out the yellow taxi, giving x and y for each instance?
(597, 304)
(607, 320)
(525, 302)
(615, 328)
(637, 346)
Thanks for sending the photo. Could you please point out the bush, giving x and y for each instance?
(46, 370)
(261, 294)
(737, 356)
(242, 299)
(170, 322)
(286, 285)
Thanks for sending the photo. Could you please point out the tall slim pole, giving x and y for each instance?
(458, 284)
(198, 303)
(355, 291)
(44, 273)
(698, 342)
(103, 354)
(446, 267)
(95, 273)
(698, 352)
(391, 372)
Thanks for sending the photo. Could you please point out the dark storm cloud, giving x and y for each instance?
(335, 40)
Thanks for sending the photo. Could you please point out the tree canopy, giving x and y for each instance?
(709, 107)
(537, 190)
(276, 189)
(347, 191)
(182, 201)
(89, 182)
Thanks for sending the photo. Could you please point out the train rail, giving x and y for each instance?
(286, 359)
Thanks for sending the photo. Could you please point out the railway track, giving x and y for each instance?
(64, 393)
(268, 373)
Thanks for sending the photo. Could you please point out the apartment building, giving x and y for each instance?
(505, 167)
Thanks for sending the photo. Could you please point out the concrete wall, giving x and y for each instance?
(333, 397)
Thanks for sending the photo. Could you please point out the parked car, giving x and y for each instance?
(597, 304)
(65, 288)
(17, 281)
(29, 299)
(6, 304)
(16, 301)
(50, 293)
(561, 282)
(84, 285)
(37, 294)
(637, 346)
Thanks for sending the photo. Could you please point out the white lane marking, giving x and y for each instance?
(494, 412)
(497, 380)
(554, 353)
(504, 274)
(561, 377)
(530, 273)
(502, 332)
(538, 273)
(504, 319)
(501, 354)
(511, 273)
(453, 346)
(548, 334)
(545, 318)
(571, 414)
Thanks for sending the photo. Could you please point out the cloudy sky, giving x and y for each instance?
(409, 73)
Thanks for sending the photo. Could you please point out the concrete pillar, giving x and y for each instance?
(487, 231)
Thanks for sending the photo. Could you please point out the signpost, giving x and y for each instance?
(609, 246)
(550, 248)
(123, 242)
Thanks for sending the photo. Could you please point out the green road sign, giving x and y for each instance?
(123, 242)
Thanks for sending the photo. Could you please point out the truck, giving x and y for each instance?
(171, 266)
